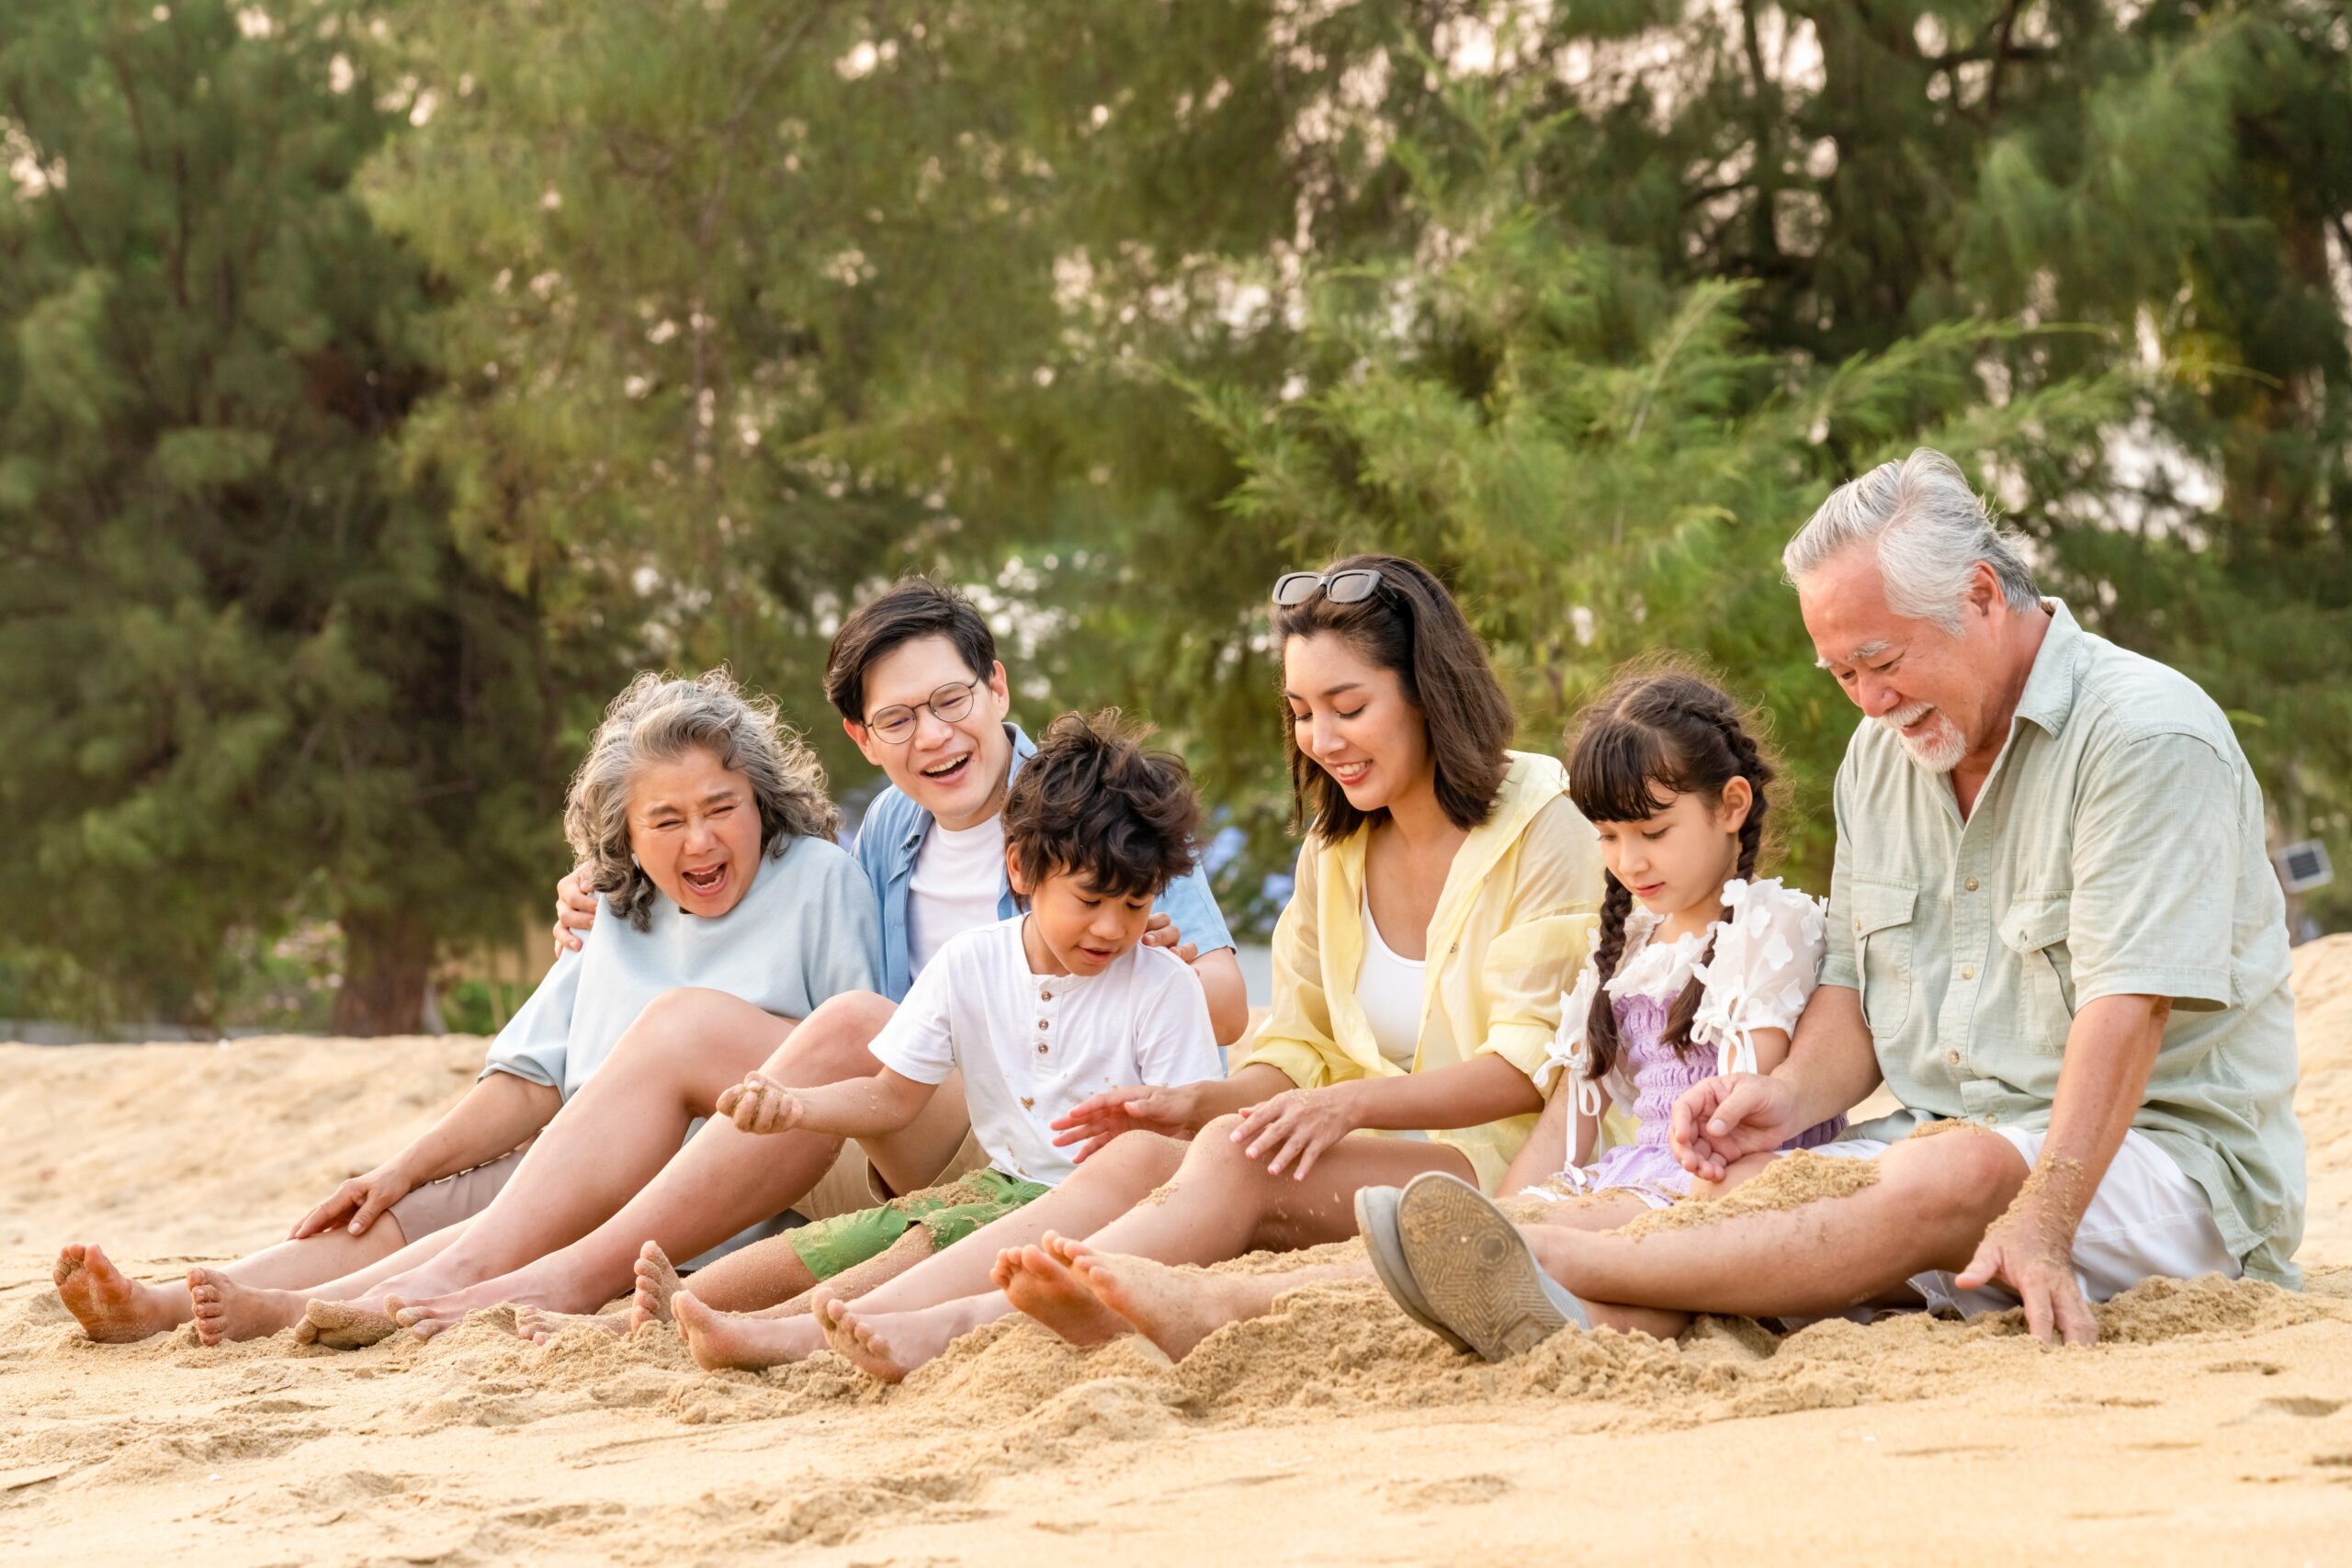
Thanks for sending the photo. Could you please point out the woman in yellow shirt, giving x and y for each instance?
(1447, 888)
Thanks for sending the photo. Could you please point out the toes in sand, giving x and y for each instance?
(541, 1324)
(657, 1282)
(343, 1325)
(111, 1307)
(724, 1341)
(227, 1311)
(1173, 1311)
(873, 1344)
(1041, 1284)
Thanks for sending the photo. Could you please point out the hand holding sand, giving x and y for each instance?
(2031, 1248)
(1173, 1113)
(1728, 1118)
(761, 1105)
(362, 1198)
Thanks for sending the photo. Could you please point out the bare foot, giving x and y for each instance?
(726, 1340)
(550, 1283)
(657, 1282)
(226, 1310)
(890, 1345)
(540, 1325)
(343, 1325)
(1173, 1311)
(1042, 1286)
(112, 1308)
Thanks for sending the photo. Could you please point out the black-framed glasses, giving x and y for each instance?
(1352, 586)
(895, 726)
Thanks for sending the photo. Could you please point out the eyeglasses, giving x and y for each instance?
(1352, 586)
(895, 726)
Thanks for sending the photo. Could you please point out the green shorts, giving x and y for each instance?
(948, 1213)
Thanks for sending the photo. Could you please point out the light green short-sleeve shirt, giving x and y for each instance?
(2116, 849)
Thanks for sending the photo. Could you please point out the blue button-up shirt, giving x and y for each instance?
(893, 832)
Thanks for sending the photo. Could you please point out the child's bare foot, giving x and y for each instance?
(343, 1325)
(1041, 1285)
(112, 1308)
(540, 1325)
(726, 1340)
(657, 1282)
(1173, 1311)
(890, 1345)
(226, 1310)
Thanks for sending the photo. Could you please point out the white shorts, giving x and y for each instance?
(2147, 1220)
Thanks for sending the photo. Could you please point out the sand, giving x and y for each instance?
(2212, 1424)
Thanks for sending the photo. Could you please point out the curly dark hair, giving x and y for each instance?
(1095, 804)
(1411, 625)
(1660, 729)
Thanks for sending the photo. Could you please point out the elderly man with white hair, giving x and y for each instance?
(2054, 933)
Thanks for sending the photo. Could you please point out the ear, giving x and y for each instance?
(1983, 595)
(1738, 800)
(1012, 872)
(866, 747)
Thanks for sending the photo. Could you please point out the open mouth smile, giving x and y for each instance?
(951, 770)
(707, 880)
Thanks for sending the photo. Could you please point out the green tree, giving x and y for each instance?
(245, 674)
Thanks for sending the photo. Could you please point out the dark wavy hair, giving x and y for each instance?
(1660, 729)
(1095, 804)
(1412, 625)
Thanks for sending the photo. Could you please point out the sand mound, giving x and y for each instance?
(2213, 1423)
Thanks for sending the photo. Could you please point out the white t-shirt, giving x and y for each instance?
(1032, 1046)
(958, 877)
(1390, 989)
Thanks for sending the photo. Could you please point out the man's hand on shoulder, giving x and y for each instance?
(575, 908)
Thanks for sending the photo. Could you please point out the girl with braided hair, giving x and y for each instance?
(1699, 968)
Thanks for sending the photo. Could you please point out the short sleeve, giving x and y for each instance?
(1174, 1041)
(843, 950)
(1766, 963)
(918, 1041)
(1838, 963)
(1192, 908)
(2146, 923)
(536, 1042)
(1296, 1037)
(1554, 911)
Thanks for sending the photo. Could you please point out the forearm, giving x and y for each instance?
(2111, 1051)
(862, 1108)
(494, 1118)
(1468, 1094)
(1831, 1063)
(1219, 973)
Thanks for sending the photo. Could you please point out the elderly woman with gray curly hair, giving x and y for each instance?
(710, 836)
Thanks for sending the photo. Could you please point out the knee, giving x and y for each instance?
(1148, 1158)
(674, 1019)
(1966, 1178)
(832, 1042)
(1214, 1150)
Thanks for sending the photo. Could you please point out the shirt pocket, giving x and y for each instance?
(1882, 936)
(2035, 929)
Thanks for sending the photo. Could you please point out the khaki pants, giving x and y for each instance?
(851, 1183)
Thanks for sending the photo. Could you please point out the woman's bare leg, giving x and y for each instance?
(229, 1307)
(724, 1180)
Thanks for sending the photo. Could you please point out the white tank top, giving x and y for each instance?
(1389, 988)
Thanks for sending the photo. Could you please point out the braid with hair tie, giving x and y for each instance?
(1601, 1024)
(1757, 773)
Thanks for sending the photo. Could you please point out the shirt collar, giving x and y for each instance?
(2049, 696)
(1023, 749)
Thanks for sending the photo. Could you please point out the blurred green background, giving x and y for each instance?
(381, 384)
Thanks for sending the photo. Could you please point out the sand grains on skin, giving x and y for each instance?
(1788, 1182)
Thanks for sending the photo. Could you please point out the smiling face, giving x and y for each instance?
(1679, 857)
(694, 826)
(1351, 718)
(1081, 929)
(1938, 693)
(955, 771)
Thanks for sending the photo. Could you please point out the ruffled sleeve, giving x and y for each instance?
(1767, 955)
(1570, 1063)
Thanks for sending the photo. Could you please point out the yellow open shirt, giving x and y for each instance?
(1518, 910)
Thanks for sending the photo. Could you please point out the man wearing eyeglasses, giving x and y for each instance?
(915, 676)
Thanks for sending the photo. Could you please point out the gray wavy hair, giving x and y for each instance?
(1931, 531)
(657, 719)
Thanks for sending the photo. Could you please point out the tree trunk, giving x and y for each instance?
(388, 960)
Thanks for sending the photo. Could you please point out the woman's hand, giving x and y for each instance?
(363, 1198)
(575, 908)
(1171, 1111)
(1294, 1127)
(760, 1104)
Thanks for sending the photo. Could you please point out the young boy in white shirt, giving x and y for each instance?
(1039, 1012)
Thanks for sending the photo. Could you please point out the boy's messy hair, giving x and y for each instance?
(1093, 803)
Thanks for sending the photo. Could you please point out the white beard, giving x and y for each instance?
(1936, 750)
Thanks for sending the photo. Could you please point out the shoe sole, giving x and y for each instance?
(1475, 1273)
(1376, 1221)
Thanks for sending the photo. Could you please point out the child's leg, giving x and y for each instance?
(787, 1331)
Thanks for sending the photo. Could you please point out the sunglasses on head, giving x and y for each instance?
(1352, 586)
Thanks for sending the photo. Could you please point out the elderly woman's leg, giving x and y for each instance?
(113, 1308)
(723, 1181)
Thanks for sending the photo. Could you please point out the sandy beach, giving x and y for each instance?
(2212, 1424)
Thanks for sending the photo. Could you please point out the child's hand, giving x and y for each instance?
(1170, 1111)
(1721, 1121)
(760, 1105)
